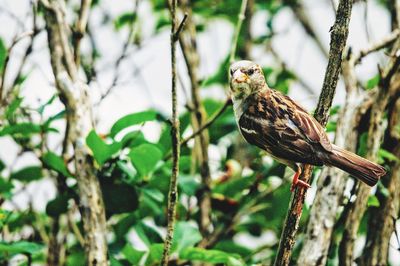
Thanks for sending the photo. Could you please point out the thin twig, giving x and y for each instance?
(238, 27)
(15, 41)
(209, 122)
(301, 15)
(339, 33)
(173, 188)
(205, 126)
(377, 46)
(123, 54)
(80, 28)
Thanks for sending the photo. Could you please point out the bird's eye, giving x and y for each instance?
(250, 71)
(231, 72)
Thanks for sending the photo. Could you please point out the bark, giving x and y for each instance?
(74, 94)
(388, 85)
(332, 181)
(175, 138)
(383, 218)
(188, 43)
(339, 33)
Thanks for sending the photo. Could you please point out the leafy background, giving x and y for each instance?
(131, 144)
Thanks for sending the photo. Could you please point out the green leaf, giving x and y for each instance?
(154, 194)
(77, 258)
(232, 247)
(3, 54)
(188, 184)
(101, 151)
(43, 106)
(125, 19)
(118, 198)
(373, 82)
(331, 126)
(151, 199)
(27, 174)
(147, 234)
(14, 105)
(384, 154)
(163, 20)
(126, 169)
(5, 187)
(122, 227)
(115, 262)
(132, 255)
(211, 256)
(20, 247)
(363, 147)
(131, 120)
(185, 235)
(145, 158)
(233, 188)
(155, 254)
(57, 116)
(57, 206)
(373, 201)
(24, 129)
(56, 163)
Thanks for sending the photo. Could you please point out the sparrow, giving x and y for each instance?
(286, 131)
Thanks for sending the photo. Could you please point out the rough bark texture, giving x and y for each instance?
(74, 94)
(332, 181)
(188, 43)
(388, 86)
(175, 138)
(339, 33)
(383, 218)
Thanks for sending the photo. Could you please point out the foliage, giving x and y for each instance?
(249, 191)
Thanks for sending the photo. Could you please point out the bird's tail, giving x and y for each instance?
(363, 169)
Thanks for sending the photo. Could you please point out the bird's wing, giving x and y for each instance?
(283, 129)
(303, 120)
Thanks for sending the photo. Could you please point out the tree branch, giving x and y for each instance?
(331, 183)
(80, 28)
(339, 33)
(303, 18)
(75, 96)
(188, 44)
(377, 46)
(173, 187)
(388, 86)
(383, 218)
(236, 33)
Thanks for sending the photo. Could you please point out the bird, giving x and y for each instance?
(278, 125)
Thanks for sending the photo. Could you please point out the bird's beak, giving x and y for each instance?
(239, 77)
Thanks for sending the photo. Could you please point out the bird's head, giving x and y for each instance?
(246, 78)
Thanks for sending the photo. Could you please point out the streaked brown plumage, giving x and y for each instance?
(275, 123)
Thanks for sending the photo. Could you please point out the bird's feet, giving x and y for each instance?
(297, 182)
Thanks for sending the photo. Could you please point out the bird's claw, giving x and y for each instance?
(299, 183)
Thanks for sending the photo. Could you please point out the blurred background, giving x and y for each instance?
(125, 60)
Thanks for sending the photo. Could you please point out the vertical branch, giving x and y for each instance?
(236, 33)
(388, 86)
(332, 182)
(339, 33)
(75, 96)
(80, 28)
(173, 189)
(383, 218)
(188, 45)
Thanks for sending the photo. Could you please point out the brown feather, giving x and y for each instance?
(361, 168)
